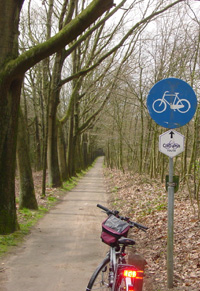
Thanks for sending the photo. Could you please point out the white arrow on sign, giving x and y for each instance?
(171, 143)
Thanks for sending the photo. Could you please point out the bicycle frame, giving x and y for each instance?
(113, 264)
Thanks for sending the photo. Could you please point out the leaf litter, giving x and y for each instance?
(145, 200)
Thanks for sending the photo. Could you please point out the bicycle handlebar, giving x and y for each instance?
(116, 213)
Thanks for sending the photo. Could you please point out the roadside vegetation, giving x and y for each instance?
(145, 200)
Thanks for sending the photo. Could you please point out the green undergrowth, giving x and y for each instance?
(28, 218)
(71, 183)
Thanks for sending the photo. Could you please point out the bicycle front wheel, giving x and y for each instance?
(100, 278)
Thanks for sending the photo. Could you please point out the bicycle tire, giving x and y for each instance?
(100, 277)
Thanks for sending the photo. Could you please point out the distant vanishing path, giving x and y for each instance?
(65, 247)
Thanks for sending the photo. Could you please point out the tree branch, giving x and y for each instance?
(85, 70)
(73, 29)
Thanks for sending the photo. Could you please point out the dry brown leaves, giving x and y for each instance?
(145, 201)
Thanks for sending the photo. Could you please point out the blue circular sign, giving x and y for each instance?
(171, 103)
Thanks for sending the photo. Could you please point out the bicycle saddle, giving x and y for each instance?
(126, 241)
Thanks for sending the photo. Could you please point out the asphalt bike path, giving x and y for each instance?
(64, 248)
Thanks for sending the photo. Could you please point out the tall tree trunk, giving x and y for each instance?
(62, 153)
(52, 153)
(10, 89)
(38, 163)
(27, 197)
(86, 160)
(44, 99)
(53, 165)
(44, 153)
(74, 118)
(8, 136)
(71, 148)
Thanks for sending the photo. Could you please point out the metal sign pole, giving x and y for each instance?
(170, 238)
(171, 103)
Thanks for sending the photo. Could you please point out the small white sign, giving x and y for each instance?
(171, 143)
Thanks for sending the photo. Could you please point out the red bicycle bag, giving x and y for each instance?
(113, 228)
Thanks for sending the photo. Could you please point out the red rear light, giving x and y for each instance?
(130, 288)
(130, 273)
(133, 274)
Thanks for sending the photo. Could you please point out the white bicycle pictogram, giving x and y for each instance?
(160, 105)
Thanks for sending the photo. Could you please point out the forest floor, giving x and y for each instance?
(145, 201)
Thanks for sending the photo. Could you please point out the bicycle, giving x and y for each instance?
(160, 105)
(115, 272)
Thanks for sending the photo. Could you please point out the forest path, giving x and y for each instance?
(64, 248)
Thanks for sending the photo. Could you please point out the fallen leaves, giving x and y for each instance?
(145, 201)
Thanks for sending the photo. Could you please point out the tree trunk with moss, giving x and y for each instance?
(52, 152)
(27, 197)
(10, 88)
